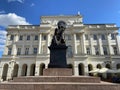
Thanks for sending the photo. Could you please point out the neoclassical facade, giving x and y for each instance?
(90, 46)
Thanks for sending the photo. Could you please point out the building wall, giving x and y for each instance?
(25, 56)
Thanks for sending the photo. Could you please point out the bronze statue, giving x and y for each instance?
(58, 35)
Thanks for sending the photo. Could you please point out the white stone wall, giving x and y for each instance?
(75, 38)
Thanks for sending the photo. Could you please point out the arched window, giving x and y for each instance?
(15, 70)
(118, 66)
(108, 66)
(81, 69)
(32, 70)
(24, 70)
(99, 66)
(5, 71)
(90, 67)
(42, 66)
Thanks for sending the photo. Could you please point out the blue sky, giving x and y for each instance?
(29, 11)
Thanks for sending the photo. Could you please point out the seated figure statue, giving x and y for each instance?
(58, 38)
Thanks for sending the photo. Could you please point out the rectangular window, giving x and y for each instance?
(34, 50)
(96, 51)
(112, 36)
(88, 50)
(28, 37)
(20, 37)
(115, 50)
(86, 37)
(103, 37)
(9, 51)
(44, 37)
(36, 37)
(77, 37)
(12, 37)
(68, 37)
(95, 37)
(105, 50)
(26, 51)
(18, 51)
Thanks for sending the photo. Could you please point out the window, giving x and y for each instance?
(36, 37)
(69, 52)
(96, 51)
(21, 37)
(28, 37)
(12, 37)
(88, 50)
(44, 37)
(115, 50)
(105, 51)
(95, 37)
(26, 51)
(18, 51)
(112, 36)
(68, 37)
(34, 50)
(103, 37)
(77, 37)
(86, 37)
(9, 51)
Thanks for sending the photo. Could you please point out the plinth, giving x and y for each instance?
(57, 56)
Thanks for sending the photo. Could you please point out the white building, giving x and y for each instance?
(90, 46)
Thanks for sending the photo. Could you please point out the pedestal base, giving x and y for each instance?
(57, 72)
(58, 56)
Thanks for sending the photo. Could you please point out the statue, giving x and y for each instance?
(58, 34)
(58, 48)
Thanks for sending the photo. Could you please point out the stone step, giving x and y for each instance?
(57, 86)
(80, 79)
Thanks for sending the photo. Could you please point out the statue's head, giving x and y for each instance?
(61, 25)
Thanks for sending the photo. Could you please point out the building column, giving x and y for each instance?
(23, 50)
(37, 69)
(109, 44)
(1, 70)
(31, 50)
(83, 44)
(6, 48)
(14, 48)
(100, 45)
(75, 46)
(76, 70)
(86, 69)
(28, 70)
(48, 43)
(20, 71)
(117, 43)
(39, 47)
(91, 44)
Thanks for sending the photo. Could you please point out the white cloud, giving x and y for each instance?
(20, 1)
(12, 19)
(32, 5)
(2, 39)
(1, 12)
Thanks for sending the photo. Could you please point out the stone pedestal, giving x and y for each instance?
(57, 72)
(57, 56)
